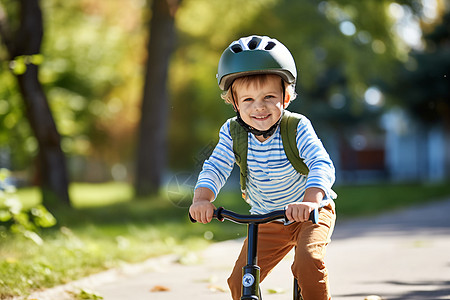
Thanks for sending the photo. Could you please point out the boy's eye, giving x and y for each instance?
(269, 96)
(247, 99)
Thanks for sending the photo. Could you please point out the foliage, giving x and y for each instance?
(423, 84)
(17, 133)
(205, 28)
(17, 220)
(88, 74)
(333, 63)
(18, 65)
(102, 232)
(92, 67)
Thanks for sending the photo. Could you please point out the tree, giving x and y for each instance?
(423, 83)
(341, 48)
(151, 152)
(23, 47)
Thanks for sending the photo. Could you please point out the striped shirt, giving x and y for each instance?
(272, 182)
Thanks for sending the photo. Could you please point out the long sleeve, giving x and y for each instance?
(321, 168)
(217, 168)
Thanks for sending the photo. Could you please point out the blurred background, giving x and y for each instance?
(108, 109)
(132, 95)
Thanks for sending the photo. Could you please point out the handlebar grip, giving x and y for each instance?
(314, 216)
(192, 219)
(216, 215)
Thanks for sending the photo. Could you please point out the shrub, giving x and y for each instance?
(17, 220)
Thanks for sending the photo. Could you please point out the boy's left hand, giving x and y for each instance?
(299, 211)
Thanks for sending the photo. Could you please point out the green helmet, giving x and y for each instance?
(255, 55)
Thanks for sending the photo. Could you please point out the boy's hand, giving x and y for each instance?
(299, 211)
(202, 209)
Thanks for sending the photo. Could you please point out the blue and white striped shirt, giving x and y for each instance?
(272, 182)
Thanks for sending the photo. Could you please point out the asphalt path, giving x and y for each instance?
(400, 255)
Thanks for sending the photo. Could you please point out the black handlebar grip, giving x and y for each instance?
(192, 219)
(314, 216)
(216, 215)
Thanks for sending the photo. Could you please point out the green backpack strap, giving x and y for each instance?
(240, 148)
(288, 130)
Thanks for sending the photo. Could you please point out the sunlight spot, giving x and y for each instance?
(396, 11)
(347, 28)
(373, 96)
(378, 47)
(208, 235)
(430, 10)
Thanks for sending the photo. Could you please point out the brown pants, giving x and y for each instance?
(275, 240)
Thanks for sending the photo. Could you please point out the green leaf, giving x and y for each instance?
(42, 217)
(36, 59)
(36, 238)
(23, 221)
(87, 295)
(276, 291)
(13, 205)
(5, 215)
(18, 65)
(4, 173)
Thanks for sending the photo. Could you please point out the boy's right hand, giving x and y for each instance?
(202, 211)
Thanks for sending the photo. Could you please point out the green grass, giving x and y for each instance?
(106, 228)
(84, 194)
(355, 201)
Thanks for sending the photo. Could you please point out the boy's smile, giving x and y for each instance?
(261, 105)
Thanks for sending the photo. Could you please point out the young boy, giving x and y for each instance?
(258, 75)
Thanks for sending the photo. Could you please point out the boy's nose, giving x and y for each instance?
(260, 104)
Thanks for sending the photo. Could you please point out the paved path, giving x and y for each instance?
(400, 255)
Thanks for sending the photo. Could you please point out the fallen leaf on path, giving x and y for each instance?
(84, 294)
(159, 288)
(276, 291)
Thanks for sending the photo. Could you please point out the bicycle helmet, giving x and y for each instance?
(255, 55)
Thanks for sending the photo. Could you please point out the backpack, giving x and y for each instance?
(288, 130)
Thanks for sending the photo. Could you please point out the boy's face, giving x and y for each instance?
(260, 105)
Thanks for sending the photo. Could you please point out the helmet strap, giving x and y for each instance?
(265, 133)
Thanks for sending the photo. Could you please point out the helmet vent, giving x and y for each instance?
(269, 46)
(254, 42)
(236, 48)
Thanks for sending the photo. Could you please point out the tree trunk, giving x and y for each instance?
(152, 140)
(52, 165)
